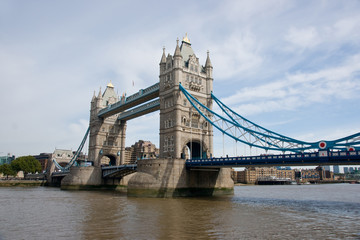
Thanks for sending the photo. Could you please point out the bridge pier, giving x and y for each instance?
(87, 178)
(170, 178)
(82, 178)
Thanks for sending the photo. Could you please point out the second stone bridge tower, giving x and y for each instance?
(183, 132)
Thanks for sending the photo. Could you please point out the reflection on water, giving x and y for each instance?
(254, 212)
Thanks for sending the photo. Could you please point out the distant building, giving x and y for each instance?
(44, 159)
(327, 168)
(336, 169)
(63, 157)
(325, 174)
(6, 159)
(310, 175)
(140, 150)
(346, 169)
(251, 175)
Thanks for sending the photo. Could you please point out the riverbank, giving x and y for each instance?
(22, 183)
(310, 182)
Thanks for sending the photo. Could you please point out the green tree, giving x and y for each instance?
(7, 170)
(27, 164)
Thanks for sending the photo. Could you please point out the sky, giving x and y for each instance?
(289, 66)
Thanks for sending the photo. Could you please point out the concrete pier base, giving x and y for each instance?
(86, 178)
(170, 178)
(82, 178)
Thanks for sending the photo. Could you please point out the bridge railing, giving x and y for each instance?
(141, 92)
(284, 158)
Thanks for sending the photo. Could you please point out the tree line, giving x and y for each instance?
(27, 164)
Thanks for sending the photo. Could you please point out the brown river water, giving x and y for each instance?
(330, 211)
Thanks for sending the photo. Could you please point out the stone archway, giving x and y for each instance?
(108, 160)
(194, 150)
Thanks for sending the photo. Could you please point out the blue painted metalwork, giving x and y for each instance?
(298, 159)
(76, 155)
(341, 143)
(247, 132)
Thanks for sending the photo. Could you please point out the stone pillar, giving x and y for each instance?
(122, 141)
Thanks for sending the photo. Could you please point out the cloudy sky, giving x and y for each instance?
(290, 66)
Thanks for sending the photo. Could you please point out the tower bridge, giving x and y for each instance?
(185, 167)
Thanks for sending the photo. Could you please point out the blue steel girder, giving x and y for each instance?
(141, 110)
(298, 159)
(341, 144)
(140, 97)
(242, 130)
(76, 155)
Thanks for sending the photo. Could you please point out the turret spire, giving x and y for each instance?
(177, 49)
(208, 62)
(163, 57)
(100, 95)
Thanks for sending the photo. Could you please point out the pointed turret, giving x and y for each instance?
(100, 95)
(93, 98)
(177, 55)
(208, 62)
(177, 49)
(163, 61)
(209, 74)
(163, 57)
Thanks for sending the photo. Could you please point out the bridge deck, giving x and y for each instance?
(141, 110)
(301, 159)
(138, 98)
(118, 171)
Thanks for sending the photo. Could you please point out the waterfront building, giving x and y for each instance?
(251, 175)
(336, 169)
(44, 159)
(63, 157)
(327, 168)
(325, 174)
(310, 175)
(285, 173)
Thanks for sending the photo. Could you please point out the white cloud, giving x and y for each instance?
(300, 89)
(53, 57)
(236, 55)
(303, 38)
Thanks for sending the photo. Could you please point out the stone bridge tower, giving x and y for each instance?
(183, 132)
(107, 136)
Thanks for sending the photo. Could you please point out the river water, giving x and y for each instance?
(253, 212)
